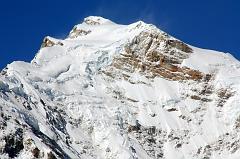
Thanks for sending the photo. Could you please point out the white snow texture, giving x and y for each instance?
(101, 94)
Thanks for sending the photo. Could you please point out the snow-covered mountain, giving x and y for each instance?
(111, 91)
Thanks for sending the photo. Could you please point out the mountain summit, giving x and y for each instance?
(112, 91)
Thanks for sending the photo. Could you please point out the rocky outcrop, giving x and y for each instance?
(78, 32)
(92, 22)
(14, 143)
(120, 91)
(48, 42)
(156, 55)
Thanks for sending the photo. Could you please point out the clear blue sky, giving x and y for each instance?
(212, 24)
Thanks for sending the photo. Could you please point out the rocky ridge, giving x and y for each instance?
(120, 91)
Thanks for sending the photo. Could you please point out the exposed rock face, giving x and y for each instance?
(112, 91)
(14, 143)
(95, 20)
(92, 22)
(156, 54)
(49, 42)
(78, 32)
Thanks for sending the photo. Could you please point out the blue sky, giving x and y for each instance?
(212, 24)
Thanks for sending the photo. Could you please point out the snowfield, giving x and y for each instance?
(111, 91)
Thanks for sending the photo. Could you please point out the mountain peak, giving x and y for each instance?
(96, 20)
(120, 91)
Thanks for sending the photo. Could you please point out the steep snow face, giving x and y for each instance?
(120, 91)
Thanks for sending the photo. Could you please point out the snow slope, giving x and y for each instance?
(120, 91)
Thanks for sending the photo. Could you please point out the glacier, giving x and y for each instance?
(111, 91)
